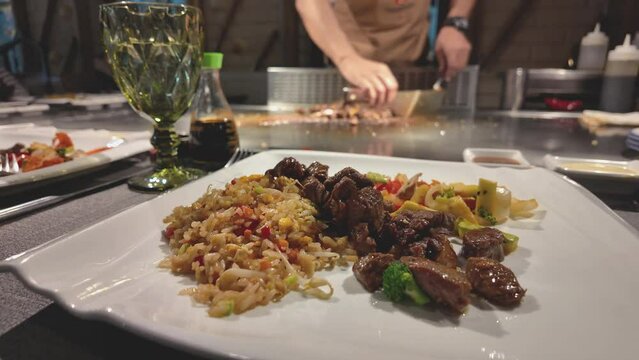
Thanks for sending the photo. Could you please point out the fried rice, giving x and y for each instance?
(250, 244)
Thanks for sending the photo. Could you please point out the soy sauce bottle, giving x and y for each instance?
(213, 132)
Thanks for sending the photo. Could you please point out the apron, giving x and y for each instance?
(390, 31)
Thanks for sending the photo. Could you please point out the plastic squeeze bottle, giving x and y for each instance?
(618, 89)
(593, 49)
(213, 131)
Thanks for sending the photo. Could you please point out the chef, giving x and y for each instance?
(364, 37)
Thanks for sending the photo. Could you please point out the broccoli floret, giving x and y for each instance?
(399, 283)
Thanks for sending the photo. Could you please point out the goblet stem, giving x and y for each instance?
(168, 173)
(166, 141)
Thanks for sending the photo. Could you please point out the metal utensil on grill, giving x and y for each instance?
(353, 95)
(408, 102)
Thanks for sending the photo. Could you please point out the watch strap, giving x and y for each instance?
(458, 22)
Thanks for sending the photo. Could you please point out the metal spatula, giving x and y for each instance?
(409, 102)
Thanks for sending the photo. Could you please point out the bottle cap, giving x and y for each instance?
(595, 37)
(212, 60)
(624, 52)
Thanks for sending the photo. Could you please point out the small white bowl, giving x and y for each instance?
(492, 157)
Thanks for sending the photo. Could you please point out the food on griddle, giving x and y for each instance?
(353, 113)
(494, 281)
(336, 113)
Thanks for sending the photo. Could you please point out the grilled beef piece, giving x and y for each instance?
(288, 167)
(367, 205)
(445, 254)
(407, 227)
(361, 240)
(484, 242)
(389, 206)
(350, 207)
(318, 170)
(369, 269)
(336, 203)
(441, 231)
(447, 223)
(436, 248)
(360, 179)
(344, 189)
(315, 191)
(494, 281)
(446, 286)
(410, 226)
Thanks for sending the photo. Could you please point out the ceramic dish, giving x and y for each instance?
(620, 170)
(632, 143)
(127, 144)
(496, 157)
(89, 101)
(23, 109)
(576, 258)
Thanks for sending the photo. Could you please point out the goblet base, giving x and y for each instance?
(165, 179)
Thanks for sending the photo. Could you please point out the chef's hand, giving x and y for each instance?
(374, 77)
(452, 50)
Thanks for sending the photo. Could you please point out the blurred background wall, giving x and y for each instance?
(62, 52)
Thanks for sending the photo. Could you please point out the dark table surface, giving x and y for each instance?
(31, 326)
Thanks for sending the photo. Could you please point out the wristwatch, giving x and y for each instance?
(458, 22)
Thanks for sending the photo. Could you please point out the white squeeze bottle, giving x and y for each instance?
(618, 89)
(593, 49)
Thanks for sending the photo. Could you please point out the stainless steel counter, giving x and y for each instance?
(32, 327)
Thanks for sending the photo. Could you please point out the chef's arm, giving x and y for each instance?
(452, 47)
(322, 26)
(461, 8)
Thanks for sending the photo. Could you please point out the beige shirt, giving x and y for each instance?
(391, 31)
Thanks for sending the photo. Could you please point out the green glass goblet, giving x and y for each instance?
(155, 51)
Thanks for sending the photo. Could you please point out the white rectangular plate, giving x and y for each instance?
(134, 143)
(577, 259)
